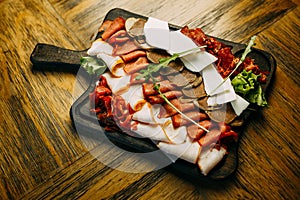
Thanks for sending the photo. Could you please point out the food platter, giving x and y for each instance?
(87, 123)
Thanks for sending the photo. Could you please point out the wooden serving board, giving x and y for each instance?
(48, 57)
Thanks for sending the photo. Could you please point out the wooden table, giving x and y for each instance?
(42, 157)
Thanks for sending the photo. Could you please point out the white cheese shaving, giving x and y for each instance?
(239, 104)
(157, 33)
(198, 61)
(225, 93)
(195, 62)
(179, 42)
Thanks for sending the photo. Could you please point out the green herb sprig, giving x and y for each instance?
(153, 68)
(157, 88)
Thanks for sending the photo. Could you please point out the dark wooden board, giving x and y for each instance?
(88, 124)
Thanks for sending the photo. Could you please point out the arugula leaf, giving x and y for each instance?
(92, 65)
(153, 68)
(246, 83)
(164, 62)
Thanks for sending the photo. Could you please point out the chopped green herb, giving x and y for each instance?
(246, 84)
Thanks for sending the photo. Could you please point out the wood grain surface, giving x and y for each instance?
(41, 155)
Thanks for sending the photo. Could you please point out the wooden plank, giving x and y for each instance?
(36, 132)
(283, 38)
(231, 20)
(88, 174)
(42, 157)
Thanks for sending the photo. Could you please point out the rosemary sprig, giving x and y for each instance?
(164, 62)
(157, 88)
(247, 50)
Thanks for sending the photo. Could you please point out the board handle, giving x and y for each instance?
(47, 57)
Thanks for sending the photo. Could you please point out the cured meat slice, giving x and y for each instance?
(151, 131)
(133, 55)
(121, 112)
(210, 138)
(209, 159)
(165, 86)
(168, 111)
(135, 66)
(116, 25)
(224, 114)
(157, 99)
(114, 64)
(175, 135)
(195, 132)
(105, 25)
(118, 85)
(178, 120)
(100, 46)
(118, 37)
(145, 114)
(134, 96)
(124, 48)
(188, 151)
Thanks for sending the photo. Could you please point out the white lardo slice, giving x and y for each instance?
(239, 104)
(188, 151)
(117, 85)
(210, 159)
(175, 135)
(195, 61)
(145, 114)
(100, 46)
(115, 64)
(151, 131)
(135, 97)
(157, 33)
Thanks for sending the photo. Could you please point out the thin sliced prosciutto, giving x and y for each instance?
(178, 120)
(196, 132)
(165, 86)
(168, 111)
(157, 99)
(136, 65)
(133, 55)
(116, 25)
(124, 48)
